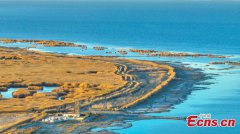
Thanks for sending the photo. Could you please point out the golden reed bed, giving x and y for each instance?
(83, 78)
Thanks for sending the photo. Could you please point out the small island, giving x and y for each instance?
(54, 88)
(95, 82)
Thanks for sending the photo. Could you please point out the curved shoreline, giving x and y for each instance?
(156, 89)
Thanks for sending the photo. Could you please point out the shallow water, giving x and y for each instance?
(200, 27)
(8, 94)
(221, 100)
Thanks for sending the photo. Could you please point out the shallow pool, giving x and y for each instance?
(8, 94)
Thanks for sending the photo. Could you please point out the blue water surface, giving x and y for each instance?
(206, 27)
(199, 27)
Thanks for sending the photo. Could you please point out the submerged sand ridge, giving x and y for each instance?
(98, 82)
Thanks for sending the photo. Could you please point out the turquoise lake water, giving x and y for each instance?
(199, 27)
(8, 94)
